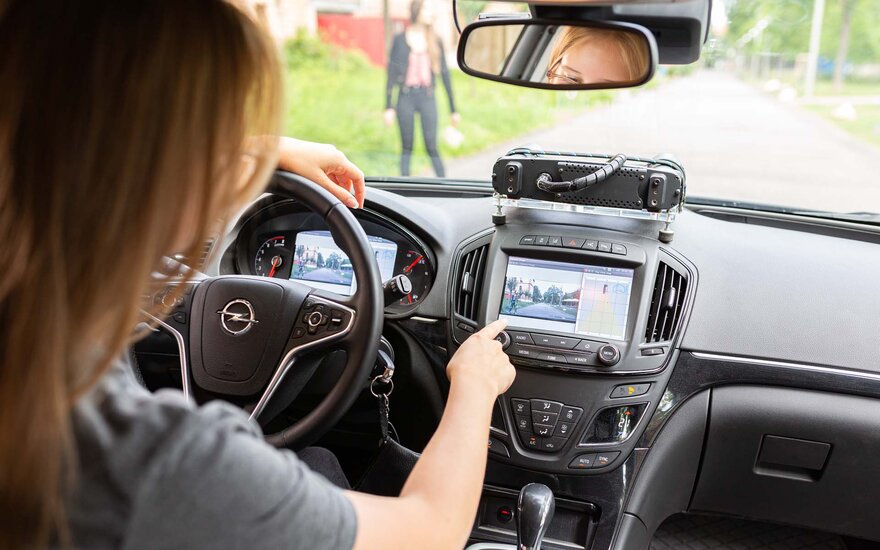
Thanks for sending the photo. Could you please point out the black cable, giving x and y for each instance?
(546, 184)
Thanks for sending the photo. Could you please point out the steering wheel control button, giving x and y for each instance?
(604, 459)
(299, 332)
(572, 242)
(618, 249)
(543, 405)
(609, 355)
(570, 414)
(590, 244)
(520, 406)
(521, 337)
(544, 418)
(528, 239)
(604, 247)
(583, 462)
(496, 447)
(629, 390)
(504, 338)
(315, 318)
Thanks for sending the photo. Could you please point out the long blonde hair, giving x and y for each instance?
(124, 137)
(632, 50)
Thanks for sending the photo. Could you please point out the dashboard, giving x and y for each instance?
(284, 240)
(652, 378)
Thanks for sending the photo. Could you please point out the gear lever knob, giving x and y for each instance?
(534, 510)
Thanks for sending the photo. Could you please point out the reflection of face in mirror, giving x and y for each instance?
(589, 55)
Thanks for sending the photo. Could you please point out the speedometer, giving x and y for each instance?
(273, 258)
(418, 270)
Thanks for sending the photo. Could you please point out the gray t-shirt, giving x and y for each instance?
(156, 471)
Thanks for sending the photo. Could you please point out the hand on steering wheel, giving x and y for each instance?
(325, 165)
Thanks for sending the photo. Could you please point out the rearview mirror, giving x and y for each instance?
(581, 55)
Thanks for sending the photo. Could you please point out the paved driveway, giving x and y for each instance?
(735, 142)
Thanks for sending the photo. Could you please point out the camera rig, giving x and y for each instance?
(650, 184)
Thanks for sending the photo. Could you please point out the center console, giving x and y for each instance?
(593, 320)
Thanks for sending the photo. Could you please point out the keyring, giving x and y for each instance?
(379, 379)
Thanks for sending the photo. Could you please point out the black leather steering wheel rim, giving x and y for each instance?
(362, 342)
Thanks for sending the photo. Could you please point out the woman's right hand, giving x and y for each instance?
(389, 117)
(481, 361)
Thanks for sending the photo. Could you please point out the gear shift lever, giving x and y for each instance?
(534, 510)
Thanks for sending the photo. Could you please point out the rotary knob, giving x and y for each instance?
(608, 355)
(504, 338)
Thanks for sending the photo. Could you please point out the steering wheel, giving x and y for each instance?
(245, 334)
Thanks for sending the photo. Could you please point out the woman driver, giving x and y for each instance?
(128, 133)
(591, 55)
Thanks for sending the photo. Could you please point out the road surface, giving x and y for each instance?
(544, 311)
(735, 141)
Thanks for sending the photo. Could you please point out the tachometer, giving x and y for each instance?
(273, 258)
(419, 272)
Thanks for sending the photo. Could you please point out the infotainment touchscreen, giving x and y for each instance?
(319, 263)
(565, 297)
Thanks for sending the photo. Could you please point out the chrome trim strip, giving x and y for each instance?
(785, 364)
(289, 358)
(419, 319)
(181, 349)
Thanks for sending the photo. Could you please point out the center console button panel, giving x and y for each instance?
(545, 425)
(574, 242)
(559, 350)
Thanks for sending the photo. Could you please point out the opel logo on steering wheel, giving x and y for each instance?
(237, 317)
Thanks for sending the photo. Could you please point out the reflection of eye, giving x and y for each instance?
(566, 79)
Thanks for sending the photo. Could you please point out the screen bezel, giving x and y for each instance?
(513, 319)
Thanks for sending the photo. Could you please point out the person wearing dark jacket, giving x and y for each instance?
(415, 60)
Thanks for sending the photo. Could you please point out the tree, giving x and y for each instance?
(319, 262)
(847, 8)
(536, 294)
(511, 285)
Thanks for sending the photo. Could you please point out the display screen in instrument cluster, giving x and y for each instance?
(565, 297)
(319, 263)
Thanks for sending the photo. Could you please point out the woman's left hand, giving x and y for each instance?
(325, 165)
(456, 119)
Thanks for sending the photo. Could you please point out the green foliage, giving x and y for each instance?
(337, 96)
(789, 21)
(866, 125)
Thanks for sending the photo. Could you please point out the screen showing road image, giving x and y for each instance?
(563, 297)
(319, 263)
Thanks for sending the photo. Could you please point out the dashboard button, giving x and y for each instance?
(544, 405)
(496, 447)
(539, 417)
(543, 430)
(609, 355)
(519, 406)
(504, 339)
(528, 239)
(520, 337)
(554, 241)
(618, 249)
(541, 240)
(570, 414)
(604, 459)
(552, 357)
(604, 247)
(563, 429)
(629, 390)
(532, 441)
(553, 443)
(580, 358)
(555, 341)
(590, 245)
(521, 351)
(583, 462)
(572, 242)
(523, 423)
(589, 345)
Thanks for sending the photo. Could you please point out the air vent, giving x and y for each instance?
(469, 282)
(667, 304)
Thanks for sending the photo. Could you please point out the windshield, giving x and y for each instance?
(751, 121)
